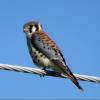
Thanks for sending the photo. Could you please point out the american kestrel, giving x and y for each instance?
(44, 51)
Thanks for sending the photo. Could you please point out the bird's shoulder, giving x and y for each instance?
(46, 39)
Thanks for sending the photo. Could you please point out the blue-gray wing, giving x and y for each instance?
(43, 45)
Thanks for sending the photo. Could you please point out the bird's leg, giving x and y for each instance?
(42, 75)
(44, 68)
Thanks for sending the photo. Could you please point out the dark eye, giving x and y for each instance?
(30, 29)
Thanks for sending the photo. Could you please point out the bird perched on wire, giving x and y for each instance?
(44, 51)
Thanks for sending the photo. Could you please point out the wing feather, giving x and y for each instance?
(45, 45)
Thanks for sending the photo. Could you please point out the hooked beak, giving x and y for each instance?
(25, 30)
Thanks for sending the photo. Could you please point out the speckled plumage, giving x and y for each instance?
(45, 52)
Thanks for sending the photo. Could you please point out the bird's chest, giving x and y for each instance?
(38, 57)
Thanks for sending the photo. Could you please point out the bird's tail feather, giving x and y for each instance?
(66, 71)
(74, 80)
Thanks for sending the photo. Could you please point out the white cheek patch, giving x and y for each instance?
(33, 29)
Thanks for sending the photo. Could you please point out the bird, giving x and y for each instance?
(44, 52)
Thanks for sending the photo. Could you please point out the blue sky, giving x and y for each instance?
(73, 24)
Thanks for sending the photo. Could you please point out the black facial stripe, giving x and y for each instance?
(30, 29)
(36, 27)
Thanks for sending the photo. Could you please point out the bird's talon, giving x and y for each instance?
(42, 75)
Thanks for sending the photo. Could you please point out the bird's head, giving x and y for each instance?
(31, 27)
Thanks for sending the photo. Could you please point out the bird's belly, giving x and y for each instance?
(40, 59)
